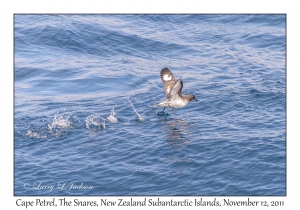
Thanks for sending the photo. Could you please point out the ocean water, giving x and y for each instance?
(84, 93)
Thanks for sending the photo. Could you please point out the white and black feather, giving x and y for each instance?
(168, 79)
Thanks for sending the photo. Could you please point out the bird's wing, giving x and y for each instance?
(176, 90)
(168, 80)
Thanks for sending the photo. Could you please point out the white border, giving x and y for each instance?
(8, 8)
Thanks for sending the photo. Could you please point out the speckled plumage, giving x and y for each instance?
(174, 98)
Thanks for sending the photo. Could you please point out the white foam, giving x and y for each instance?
(59, 122)
(111, 117)
(32, 134)
(138, 115)
(95, 122)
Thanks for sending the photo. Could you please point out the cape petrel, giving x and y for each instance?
(173, 92)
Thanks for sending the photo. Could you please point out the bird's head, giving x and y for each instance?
(192, 97)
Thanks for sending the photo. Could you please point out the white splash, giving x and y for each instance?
(95, 122)
(138, 115)
(32, 134)
(111, 117)
(59, 122)
(59, 126)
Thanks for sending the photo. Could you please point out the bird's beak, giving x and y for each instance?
(195, 99)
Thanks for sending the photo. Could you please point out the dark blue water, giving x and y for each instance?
(72, 70)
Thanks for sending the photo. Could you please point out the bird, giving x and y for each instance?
(174, 98)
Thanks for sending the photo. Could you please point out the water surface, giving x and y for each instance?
(72, 70)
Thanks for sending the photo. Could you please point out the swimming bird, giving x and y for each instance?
(173, 92)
